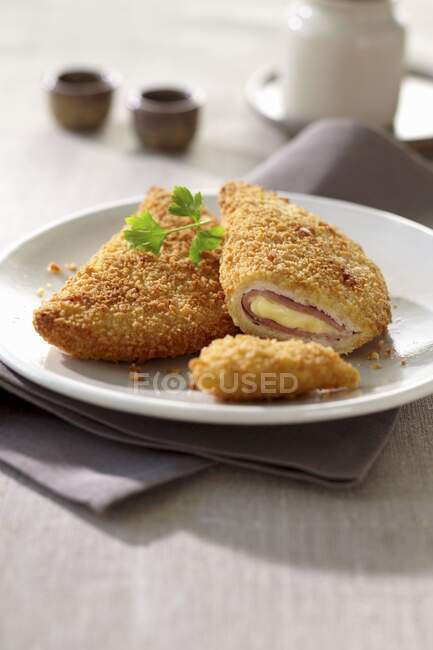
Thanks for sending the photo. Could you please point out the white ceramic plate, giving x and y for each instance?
(403, 249)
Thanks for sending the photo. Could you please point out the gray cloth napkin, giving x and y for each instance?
(339, 454)
(343, 159)
(46, 436)
(60, 455)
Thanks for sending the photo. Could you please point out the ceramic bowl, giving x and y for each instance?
(166, 118)
(80, 98)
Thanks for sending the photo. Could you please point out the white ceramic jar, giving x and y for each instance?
(342, 58)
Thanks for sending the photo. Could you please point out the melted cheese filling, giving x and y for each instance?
(264, 308)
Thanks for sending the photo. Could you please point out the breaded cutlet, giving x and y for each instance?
(248, 368)
(130, 305)
(287, 273)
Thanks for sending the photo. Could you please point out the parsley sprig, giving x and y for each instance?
(147, 235)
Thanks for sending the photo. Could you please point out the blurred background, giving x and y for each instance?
(214, 45)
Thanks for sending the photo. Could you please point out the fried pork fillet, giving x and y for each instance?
(128, 305)
(247, 368)
(286, 273)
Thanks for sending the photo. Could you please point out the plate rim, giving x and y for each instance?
(217, 413)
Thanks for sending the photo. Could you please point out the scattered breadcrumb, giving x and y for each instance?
(247, 368)
(403, 362)
(175, 371)
(49, 285)
(40, 292)
(53, 267)
(373, 356)
(387, 352)
(375, 366)
(71, 266)
(381, 343)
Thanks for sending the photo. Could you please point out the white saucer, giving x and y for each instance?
(403, 249)
(413, 123)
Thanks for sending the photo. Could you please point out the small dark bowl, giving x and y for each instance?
(166, 119)
(80, 99)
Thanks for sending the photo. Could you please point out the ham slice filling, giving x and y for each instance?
(248, 298)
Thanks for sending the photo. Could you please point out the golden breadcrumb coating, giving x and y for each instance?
(273, 244)
(247, 368)
(129, 305)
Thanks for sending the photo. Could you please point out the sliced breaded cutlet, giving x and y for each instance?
(287, 273)
(129, 305)
(246, 368)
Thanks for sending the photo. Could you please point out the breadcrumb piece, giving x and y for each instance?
(71, 266)
(375, 366)
(381, 343)
(403, 362)
(40, 292)
(248, 368)
(53, 267)
(373, 356)
(49, 285)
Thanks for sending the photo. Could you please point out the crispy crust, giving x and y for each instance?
(234, 368)
(271, 243)
(127, 305)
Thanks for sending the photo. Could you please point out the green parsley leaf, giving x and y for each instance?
(185, 204)
(205, 240)
(145, 233)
